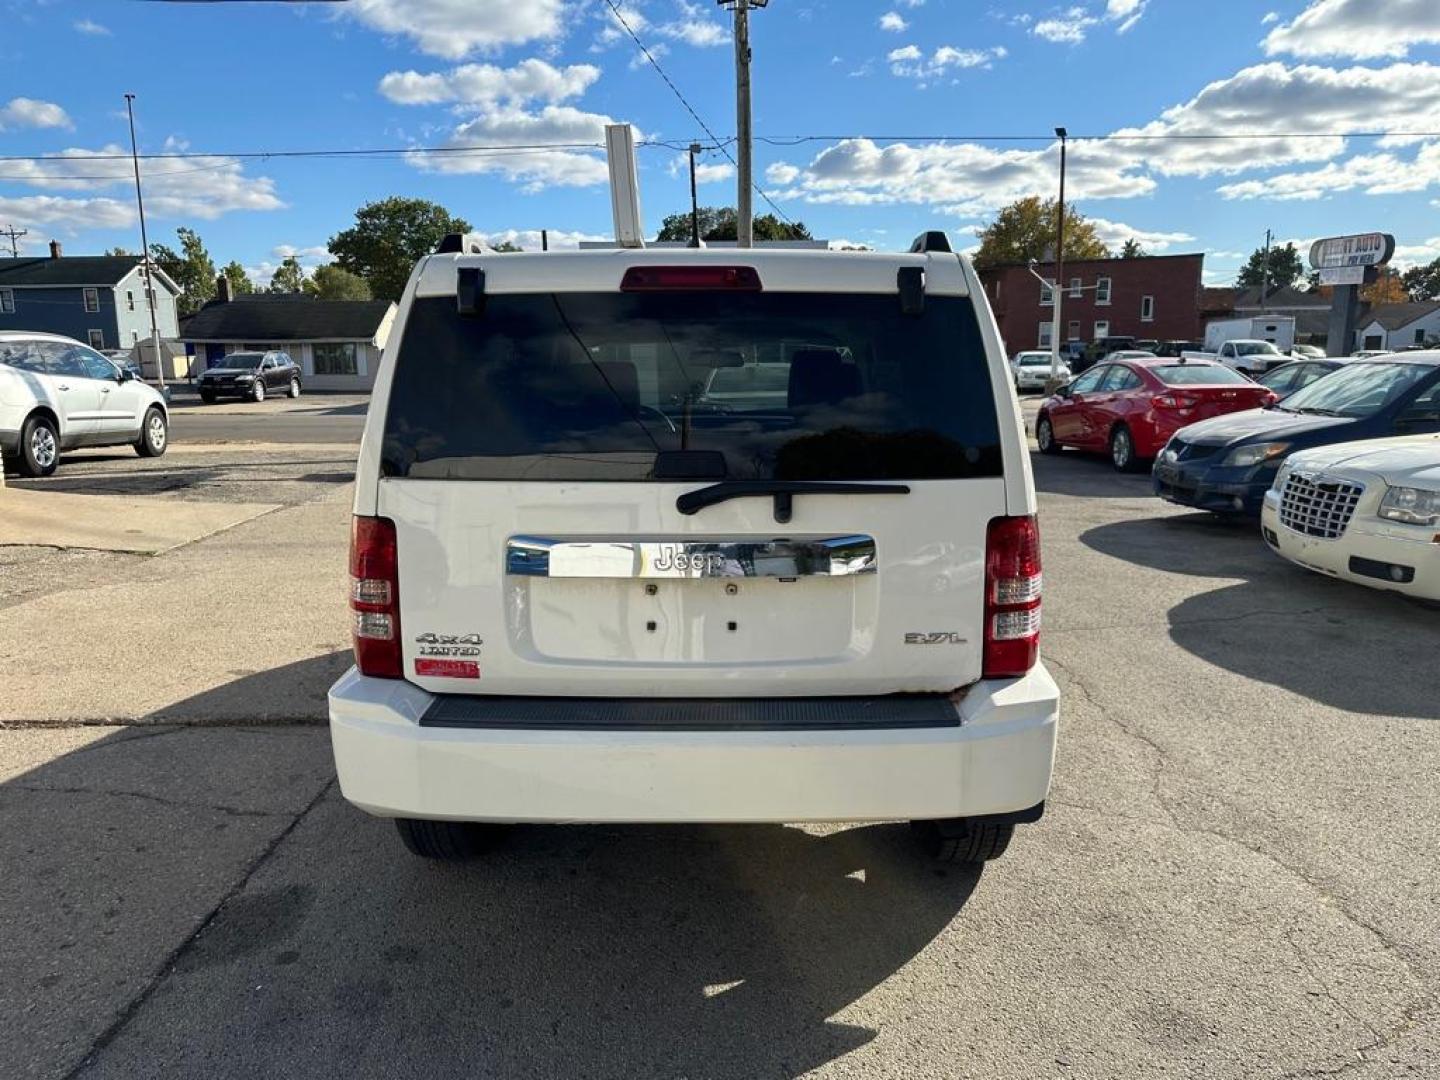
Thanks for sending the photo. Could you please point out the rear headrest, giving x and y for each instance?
(620, 374)
(821, 377)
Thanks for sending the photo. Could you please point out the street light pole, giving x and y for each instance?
(151, 293)
(1059, 263)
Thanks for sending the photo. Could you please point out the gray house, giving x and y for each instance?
(99, 299)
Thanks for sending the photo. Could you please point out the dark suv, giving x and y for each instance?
(252, 375)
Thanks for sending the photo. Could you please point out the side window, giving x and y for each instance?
(92, 300)
(7, 301)
(1286, 379)
(1090, 380)
(23, 356)
(1120, 378)
(96, 366)
(62, 360)
(1424, 410)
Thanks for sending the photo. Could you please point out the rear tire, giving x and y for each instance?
(294, 388)
(958, 840)
(1122, 450)
(39, 447)
(1045, 436)
(154, 434)
(449, 840)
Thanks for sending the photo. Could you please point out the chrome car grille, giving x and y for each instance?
(1318, 507)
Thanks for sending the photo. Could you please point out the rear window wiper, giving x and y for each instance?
(784, 492)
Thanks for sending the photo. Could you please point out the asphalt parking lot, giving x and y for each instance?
(1238, 876)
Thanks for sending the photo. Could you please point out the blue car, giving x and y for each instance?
(1226, 464)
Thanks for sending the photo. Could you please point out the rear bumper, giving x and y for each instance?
(997, 760)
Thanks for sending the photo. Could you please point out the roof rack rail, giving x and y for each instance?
(931, 240)
(461, 244)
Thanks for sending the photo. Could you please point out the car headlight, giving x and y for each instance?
(1282, 475)
(1413, 506)
(246, 378)
(1255, 453)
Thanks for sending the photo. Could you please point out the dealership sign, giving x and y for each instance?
(1366, 249)
(1343, 275)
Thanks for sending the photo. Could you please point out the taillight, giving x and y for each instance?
(664, 278)
(375, 597)
(1173, 401)
(1012, 597)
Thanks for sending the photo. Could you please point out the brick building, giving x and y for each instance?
(1154, 297)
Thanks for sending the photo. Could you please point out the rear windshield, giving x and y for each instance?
(1198, 375)
(1036, 360)
(595, 386)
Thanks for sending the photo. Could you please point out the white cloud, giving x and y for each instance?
(1408, 255)
(28, 112)
(1114, 234)
(1374, 174)
(1267, 98)
(638, 61)
(1068, 27)
(1270, 18)
(201, 187)
(1363, 29)
(454, 29)
(101, 213)
(486, 84)
(535, 169)
(89, 26)
(963, 179)
(909, 62)
(705, 172)
(893, 21)
(1126, 12)
(693, 24)
(912, 3)
(781, 173)
(529, 239)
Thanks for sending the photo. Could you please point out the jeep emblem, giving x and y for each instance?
(703, 563)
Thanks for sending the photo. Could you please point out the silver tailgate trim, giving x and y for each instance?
(840, 556)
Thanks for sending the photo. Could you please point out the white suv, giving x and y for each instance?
(57, 394)
(582, 592)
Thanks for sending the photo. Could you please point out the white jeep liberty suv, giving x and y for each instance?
(590, 587)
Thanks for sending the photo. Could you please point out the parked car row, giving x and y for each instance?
(1339, 458)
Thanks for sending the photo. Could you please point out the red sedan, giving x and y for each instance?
(1132, 407)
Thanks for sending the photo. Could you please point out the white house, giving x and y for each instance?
(337, 343)
(1394, 326)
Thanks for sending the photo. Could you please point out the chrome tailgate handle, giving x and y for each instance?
(840, 556)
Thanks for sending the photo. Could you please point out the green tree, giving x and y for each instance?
(1133, 250)
(1423, 282)
(387, 239)
(1285, 268)
(288, 277)
(331, 282)
(240, 283)
(505, 246)
(191, 268)
(722, 223)
(118, 251)
(1025, 230)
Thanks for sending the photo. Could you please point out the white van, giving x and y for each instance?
(588, 587)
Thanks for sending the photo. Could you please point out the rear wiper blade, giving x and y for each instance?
(784, 492)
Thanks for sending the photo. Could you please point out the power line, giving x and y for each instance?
(719, 145)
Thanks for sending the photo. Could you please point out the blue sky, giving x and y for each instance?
(222, 78)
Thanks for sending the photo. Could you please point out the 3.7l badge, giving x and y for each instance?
(939, 637)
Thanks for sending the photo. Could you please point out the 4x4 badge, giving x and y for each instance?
(449, 644)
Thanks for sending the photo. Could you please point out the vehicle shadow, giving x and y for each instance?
(327, 950)
(1316, 636)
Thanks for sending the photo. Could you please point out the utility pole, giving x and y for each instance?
(151, 293)
(1265, 281)
(13, 235)
(544, 239)
(1063, 135)
(744, 209)
(694, 200)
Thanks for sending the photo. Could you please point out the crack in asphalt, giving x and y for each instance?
(153, 983)
(179, 804)
(1410, 1016)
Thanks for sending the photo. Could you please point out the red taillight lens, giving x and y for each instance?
(375, 597)
(1174, 401)
(1012, 597)
(660, 278)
